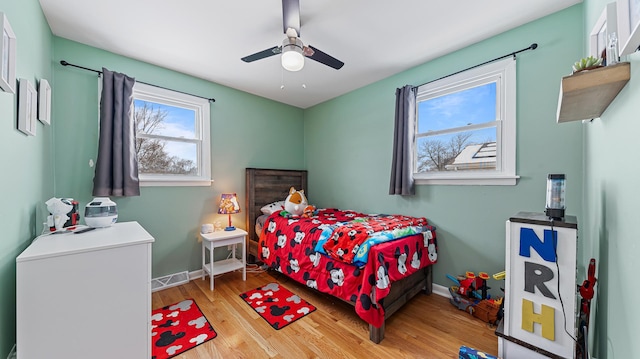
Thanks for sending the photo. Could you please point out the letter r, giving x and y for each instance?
(535, 275)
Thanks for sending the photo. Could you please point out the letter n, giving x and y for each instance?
(546, 319)
(546, 248)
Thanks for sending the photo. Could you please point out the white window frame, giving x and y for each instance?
(202, 136)
(504, 73)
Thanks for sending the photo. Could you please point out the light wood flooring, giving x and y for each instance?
(427, 327)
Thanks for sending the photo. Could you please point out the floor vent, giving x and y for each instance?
(169, 281)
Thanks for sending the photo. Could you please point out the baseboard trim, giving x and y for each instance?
(12, 353)
(441, 290)
(196, 274)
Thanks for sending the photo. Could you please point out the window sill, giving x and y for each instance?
(492, 180)
(175, 183)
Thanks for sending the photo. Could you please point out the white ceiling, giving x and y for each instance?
(207, 38)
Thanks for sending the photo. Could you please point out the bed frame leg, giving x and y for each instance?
(428, 288)
(376, 334)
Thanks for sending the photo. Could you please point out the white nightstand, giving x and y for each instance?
(219, 239)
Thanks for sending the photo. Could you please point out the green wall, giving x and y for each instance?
(25, 161)
(345, 143)
(611, 208)
(348, 144)
(246, 131)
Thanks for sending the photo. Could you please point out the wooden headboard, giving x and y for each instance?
(265, 186)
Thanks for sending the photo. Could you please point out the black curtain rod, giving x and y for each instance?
(532, 47)
(64, 63)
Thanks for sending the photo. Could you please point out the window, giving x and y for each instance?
(172, 137)
(465, 131)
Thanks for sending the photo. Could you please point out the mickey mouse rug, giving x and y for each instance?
(277, 305)
(177, 328)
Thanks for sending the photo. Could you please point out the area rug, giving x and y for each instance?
(277, 305)
(177, 328)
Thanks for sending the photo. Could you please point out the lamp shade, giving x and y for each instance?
(229, 204)
(292, 58)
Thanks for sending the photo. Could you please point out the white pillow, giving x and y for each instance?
(273, 207)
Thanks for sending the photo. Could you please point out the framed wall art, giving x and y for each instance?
(605, 26)
(27, 107)
(628, 26)
(44, 102)
(8, 56)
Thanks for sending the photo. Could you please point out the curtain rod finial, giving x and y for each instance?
(534, 46)
(63, 63)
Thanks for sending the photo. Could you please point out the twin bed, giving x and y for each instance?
(392, 272)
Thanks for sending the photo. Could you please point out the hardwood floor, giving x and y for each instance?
(427, 327)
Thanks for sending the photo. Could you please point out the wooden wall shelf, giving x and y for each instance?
(587, 94)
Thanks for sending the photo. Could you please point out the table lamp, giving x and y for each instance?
(229, 205)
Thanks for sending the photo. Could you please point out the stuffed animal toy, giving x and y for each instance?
(309, 211)
(59, 209)
(296, 202)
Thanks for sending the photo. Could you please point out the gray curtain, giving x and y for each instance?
(117, 164)
(401, 165)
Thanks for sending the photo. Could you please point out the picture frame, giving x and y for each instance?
(628, 26)
(27, 107)
(7, 56)
(606, 25)
(44, 102)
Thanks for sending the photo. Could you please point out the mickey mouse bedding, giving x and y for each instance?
(353, 256)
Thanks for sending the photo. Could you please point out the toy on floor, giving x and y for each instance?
(470, 294)
(459, 301)
(487, 310)
(500, 276)
(481, 284)
(470, 353)
(463, 294)
(469, 284)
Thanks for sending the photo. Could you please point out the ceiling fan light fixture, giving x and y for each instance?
(292, 58)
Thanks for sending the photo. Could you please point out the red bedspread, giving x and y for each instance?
(346, 240)
(287, 245)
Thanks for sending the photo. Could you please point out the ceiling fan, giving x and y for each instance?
(292, 49)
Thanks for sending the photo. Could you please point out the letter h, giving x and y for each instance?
(546, 319)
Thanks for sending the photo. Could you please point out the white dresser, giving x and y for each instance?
(86, 295)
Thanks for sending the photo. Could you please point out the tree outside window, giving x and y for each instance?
(172, 137)
(465, 127)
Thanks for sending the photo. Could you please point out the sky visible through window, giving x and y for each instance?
(459, 109)
(179, 122)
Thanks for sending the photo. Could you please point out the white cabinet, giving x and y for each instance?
(540, 291)
(86, 295)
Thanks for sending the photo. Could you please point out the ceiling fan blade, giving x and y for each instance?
(291, 15)
(323, 58)
(262, 54)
